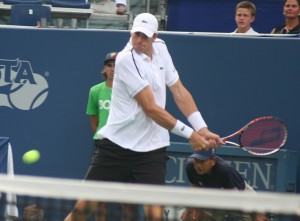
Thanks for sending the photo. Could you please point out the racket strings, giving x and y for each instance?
(264, 136)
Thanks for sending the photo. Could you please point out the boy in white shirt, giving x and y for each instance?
(244, 16)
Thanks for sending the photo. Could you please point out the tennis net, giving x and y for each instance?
(51, 199)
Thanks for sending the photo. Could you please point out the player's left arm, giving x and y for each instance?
(183, 99)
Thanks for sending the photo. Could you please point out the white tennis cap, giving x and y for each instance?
(145, 23)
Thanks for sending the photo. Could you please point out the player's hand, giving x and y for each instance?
(198, 142)
(214, 140)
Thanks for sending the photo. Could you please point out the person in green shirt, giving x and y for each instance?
(100, 96)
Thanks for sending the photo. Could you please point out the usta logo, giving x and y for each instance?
(20, 87)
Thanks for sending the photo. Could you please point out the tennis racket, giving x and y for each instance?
(262, 136)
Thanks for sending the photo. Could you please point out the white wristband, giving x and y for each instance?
(182, 130)
(197, 121)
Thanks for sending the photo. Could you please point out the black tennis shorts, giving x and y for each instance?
(111, 162)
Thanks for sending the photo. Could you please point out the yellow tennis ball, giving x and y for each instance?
(31, 156)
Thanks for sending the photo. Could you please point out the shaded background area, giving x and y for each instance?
(218, 15)
(181, 15)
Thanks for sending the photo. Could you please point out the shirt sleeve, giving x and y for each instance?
(171, 72)
(130, 75)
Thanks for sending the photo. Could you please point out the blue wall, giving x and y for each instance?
(233, 79)
(218, 15)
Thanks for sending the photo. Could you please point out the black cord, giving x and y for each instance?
(135, 63)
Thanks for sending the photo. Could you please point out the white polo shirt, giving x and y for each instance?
(127, 124)
(249, 32)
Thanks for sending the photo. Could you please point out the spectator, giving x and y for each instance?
(121, 7)
(244, 16)
(291, 10)
(107, 6)
(100, 96)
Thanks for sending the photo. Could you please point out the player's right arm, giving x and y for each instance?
(146, 100)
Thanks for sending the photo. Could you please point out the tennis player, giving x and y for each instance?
(134, 140)
(205, 169)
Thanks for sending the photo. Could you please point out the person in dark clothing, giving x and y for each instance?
(205, 169)
(291, 11)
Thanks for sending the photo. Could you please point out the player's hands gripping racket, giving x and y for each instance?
(262, 136)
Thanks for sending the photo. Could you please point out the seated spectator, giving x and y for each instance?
(121, 7)
(291, 10)
(244, 15)
(109, 7)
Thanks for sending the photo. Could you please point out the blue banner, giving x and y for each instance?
(46, 74)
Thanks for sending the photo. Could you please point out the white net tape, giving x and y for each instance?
(278, 203)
